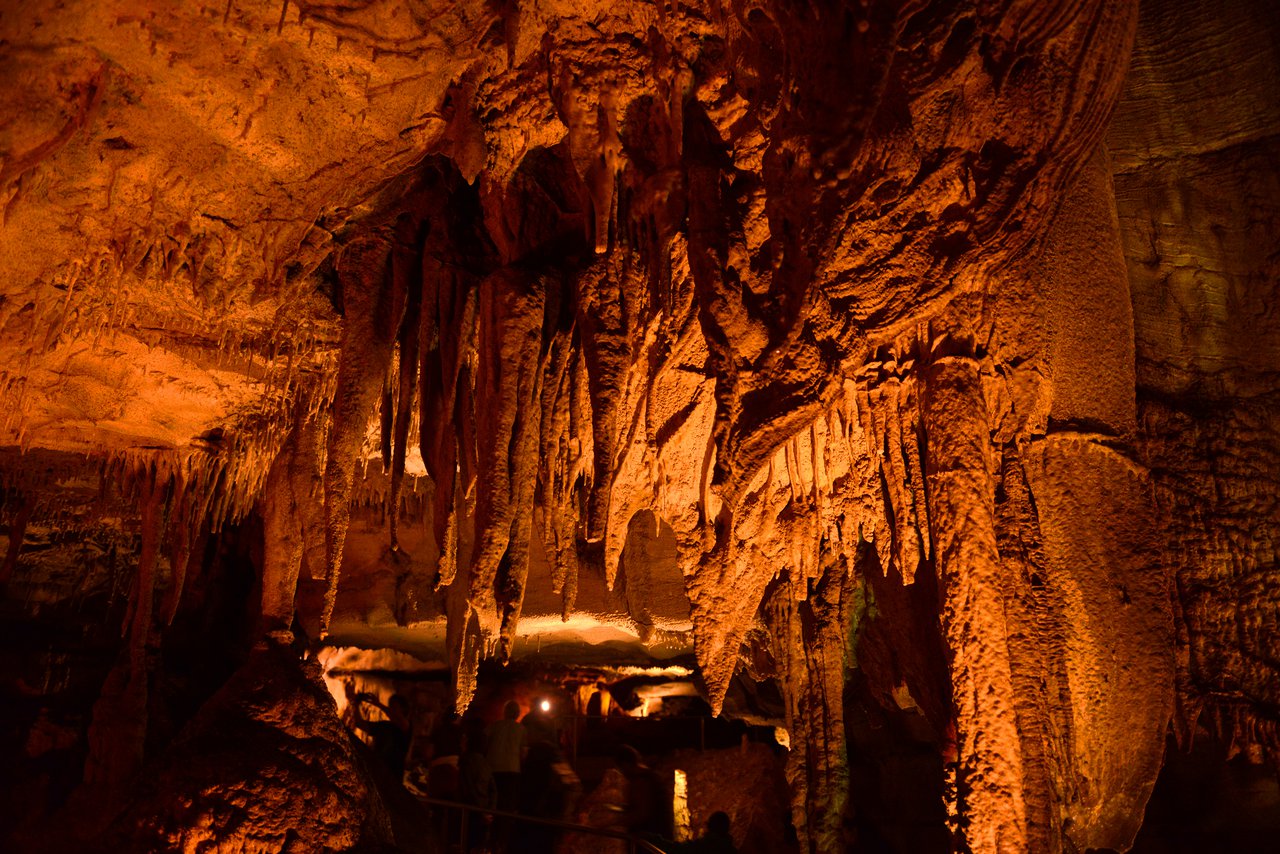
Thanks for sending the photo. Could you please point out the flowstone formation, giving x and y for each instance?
(869, 310)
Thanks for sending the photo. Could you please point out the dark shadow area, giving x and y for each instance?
(1207, 803)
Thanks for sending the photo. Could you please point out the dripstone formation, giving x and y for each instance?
(929, 346)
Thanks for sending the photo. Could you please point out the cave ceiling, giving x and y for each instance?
(936, 335)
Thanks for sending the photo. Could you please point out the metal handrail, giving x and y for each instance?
(634, 843)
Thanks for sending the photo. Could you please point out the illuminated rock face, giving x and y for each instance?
(859, 337)
(264, 766)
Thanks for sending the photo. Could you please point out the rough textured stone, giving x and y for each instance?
(265, 766)
(855, 341)
(1194, 144)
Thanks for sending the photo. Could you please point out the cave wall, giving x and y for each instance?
(1194, 154)
(934, 342)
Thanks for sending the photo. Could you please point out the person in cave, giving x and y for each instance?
(545, 792)
(391, 737)
(446, 748)
(506, 744)
(717, 839)
(476, 786)
(541, 723)
(446, 739)
(647, 811)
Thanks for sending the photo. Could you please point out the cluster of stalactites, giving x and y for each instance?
(714, 212)
(486, 363)
(588, 394)
(184, 497)
(545, 407)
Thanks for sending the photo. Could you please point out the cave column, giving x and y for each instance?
(961, 497)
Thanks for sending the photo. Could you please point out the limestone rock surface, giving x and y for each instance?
(920, 353)
(266, 765)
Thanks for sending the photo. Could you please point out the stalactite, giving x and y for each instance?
(180, 546)
(386, 416)
(152, 486)
(591, 120)
(888, 409)
(611, 296)
(511, 345)
(581, 474)
(726, 590)
(184, 558)
(467, 425)
(448, 324)
(373, 307)
(557, 324)
(436, 394)
(465, 644)
(406, 264)
(558, 458)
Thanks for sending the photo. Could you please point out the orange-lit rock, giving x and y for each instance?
(266, 765)
(924, 348)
